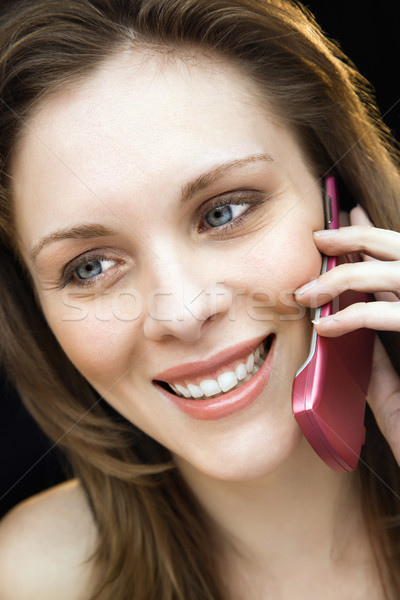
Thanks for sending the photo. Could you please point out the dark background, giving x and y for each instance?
(370, 36)
(368, 32)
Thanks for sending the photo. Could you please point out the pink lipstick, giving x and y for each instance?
(223, 404)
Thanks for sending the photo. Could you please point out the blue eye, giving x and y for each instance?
(221, 215)
(92, 268)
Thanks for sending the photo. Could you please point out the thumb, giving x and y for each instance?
(358, 216)
(384, 397)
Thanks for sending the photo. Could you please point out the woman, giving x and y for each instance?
(161, 203)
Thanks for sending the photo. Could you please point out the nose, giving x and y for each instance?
(182, 302)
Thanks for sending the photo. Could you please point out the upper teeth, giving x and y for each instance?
(225, 381)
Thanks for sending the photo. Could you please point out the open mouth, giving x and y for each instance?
(236, 375)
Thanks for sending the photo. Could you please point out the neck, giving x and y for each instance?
(293, 520)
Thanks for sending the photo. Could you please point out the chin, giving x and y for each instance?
(248, 458)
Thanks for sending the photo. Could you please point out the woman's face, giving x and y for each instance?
(166, 218)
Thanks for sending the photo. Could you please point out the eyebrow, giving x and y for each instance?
(75, 232)
(88, 231)
(206, 179)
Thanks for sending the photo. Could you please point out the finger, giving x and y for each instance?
(358, 216)
(369, 276)
(384, 397)
(379, 243)
(382, 316)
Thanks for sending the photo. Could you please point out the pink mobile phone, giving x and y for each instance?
(329, 390)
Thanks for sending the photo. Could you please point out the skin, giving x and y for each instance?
(158, 245)
(46, 545)
(84, 161)
(378, 274)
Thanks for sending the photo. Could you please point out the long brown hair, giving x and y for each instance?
(154, 540)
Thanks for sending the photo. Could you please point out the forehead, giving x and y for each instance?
(140, 126)
(137, 91)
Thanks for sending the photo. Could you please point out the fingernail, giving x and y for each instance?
(325, 232)
(323, 319)
(306, 287)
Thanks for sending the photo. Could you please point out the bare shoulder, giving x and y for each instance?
(45, 547)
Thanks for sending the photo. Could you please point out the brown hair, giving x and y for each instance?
(154, 540)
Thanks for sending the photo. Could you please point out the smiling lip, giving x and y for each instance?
(213, 364)
(230, 402)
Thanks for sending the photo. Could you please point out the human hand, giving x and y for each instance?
(379, 274)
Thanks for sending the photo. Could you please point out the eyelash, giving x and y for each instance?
(240, 200)
(67, 275)
(69, 270)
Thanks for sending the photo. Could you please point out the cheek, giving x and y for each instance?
(100, 345)
(273, 270)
